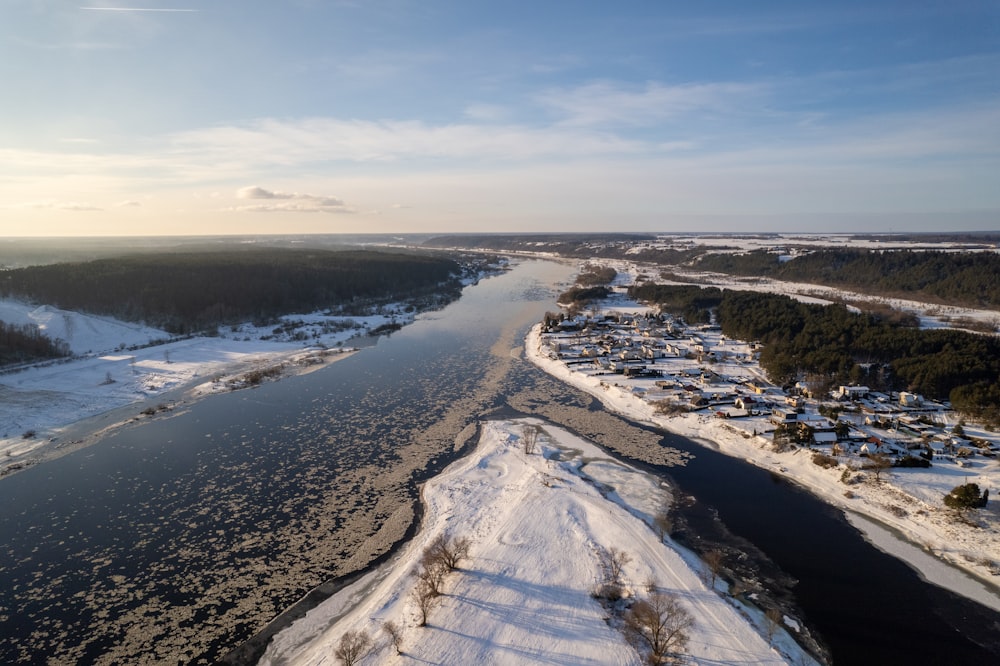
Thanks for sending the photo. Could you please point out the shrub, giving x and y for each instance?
(824, 461)
(966, 496)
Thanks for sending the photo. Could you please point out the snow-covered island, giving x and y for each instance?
(696, 383)
(550, 522)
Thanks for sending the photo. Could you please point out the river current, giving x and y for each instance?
(176, 540)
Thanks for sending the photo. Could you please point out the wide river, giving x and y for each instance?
(176, 540)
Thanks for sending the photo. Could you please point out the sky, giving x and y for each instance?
(178, 117)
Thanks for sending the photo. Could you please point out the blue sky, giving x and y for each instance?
(312, 116)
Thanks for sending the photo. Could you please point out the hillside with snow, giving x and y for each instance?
(118, 364)
(536, 523)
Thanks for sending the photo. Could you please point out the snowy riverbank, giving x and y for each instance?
(536, 523)
(907, 501)
(123, 372)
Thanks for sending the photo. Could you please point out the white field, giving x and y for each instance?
(47, 399)
(524, 594)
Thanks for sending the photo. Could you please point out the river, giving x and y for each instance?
(176, 540)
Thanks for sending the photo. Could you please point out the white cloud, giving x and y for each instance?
(289, 202)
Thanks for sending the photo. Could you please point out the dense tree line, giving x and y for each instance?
(577, 297)
(185, 292)
(693, 303)
(966, 278)
(844, 346)
(25, 342)
(959, 278)
(592, 275)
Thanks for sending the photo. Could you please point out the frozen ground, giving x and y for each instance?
(523, 596)
(909, 501)
(117, 364)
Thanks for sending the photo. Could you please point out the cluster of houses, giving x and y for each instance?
(697, 368)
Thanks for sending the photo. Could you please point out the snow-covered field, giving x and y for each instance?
(523, 596)
(117, 364)
(907, 500)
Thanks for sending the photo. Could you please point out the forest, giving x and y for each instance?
(19, 344)
(840, 346)
(189, 292)
(970, 279)
(965, 278)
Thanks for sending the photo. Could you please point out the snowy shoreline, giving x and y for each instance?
(525, 593)
(123, 374)
(926, 530)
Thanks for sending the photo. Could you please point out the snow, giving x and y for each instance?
(907, 501)
(119, 364)
(523, 596)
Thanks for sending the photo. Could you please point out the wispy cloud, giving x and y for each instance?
(608, 103)
(272, 141)
(71, 206)
(138, 9)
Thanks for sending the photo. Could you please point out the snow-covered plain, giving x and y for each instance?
(523, 596)
(120, 365)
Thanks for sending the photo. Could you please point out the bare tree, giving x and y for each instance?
(353, 646)
(713, 563)
(430, 573)
(395, 634)
(663, 523)
(448, 551)
(426, 599)
(878, 463)
(529, 439)
(659, 626)
(613, 563)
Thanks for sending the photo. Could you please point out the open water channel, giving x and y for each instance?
(176, 540)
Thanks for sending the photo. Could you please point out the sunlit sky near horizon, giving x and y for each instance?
(178, 117)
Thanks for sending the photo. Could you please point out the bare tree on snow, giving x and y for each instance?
(353, 646)
(659, 626)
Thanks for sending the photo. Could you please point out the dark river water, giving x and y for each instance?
(176, 540)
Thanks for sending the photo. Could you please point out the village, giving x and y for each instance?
(696, 369)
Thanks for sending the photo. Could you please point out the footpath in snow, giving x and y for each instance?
(536, 523)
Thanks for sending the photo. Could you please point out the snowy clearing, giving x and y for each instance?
(524, 594)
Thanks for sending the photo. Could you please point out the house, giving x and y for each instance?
(784, 416)
(852, 392)
(910, 399)
(825, 437)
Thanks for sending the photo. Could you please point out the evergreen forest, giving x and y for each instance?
(189, 292)
(970, 279)
(841, 346)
